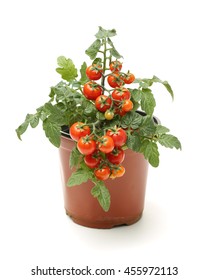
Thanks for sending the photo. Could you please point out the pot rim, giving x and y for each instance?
(65, 129)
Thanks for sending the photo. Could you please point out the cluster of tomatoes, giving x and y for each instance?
(118, 99)
(105, 153)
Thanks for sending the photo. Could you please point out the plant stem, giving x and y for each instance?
(104, 65)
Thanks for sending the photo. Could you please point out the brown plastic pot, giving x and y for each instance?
(127, 192)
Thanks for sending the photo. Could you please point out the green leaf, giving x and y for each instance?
(133, 141)
(22, 128)
(75, 158)
(55, 114)
(34, 120)
(103, 33)
(113, 50)
(66, 94)
(100, 192)
(132, 119)
(160, 129)
(100, 116)
(78, 177)
(150, 151)
(147, 127)
(115, 53)
(169, 141)
(53, 132)
(84, 77)
(135, 94)
(67, 69)
(88, 108)
(110, 42)
(43, 115)
(165, 83)
(116, 121)
(169, 89)
(147, 101)
(136, 122)
(98, 60)
(145, 83)
(93, 49)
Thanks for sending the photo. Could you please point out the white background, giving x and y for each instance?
(163, 38)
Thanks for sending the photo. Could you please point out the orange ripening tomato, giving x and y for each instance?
(119, 172)
(127, 105)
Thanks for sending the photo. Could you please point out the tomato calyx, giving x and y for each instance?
(97, 67)
(93, 85)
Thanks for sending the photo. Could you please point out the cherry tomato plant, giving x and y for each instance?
(107, 110)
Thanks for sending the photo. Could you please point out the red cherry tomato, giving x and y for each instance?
(116, 156)
(103, 103)
(118, 135)
(114, 80)
(129, 78)
(102, 173)
(121, 94)
(115, 66)
(92, 90)
(106, 144)
(86, 145)
(78, 130)
(120, 111)
(94, 72)
(92, 160)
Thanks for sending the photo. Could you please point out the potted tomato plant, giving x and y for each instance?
(102, 122)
